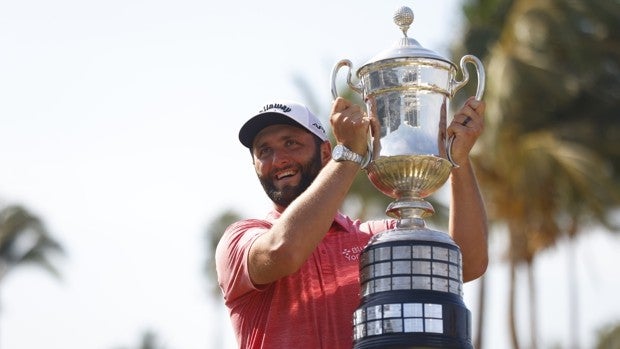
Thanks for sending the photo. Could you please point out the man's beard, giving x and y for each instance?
(283, 197)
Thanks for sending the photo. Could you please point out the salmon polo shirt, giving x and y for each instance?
(311, 308)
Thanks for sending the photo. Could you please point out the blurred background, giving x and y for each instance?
(120, 165)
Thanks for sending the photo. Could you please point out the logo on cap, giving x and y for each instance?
(284, 108)
(319, 127)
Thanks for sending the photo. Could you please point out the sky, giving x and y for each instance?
(118, 127)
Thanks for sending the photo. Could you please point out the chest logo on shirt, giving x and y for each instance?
(352, 254)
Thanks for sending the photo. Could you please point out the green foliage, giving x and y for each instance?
(485, 19)
(25, 240)
(213, 234)
(609, 337)
(553, 88)
(148, 340)
(548, 162)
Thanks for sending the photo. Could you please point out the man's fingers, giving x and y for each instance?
(340, 104)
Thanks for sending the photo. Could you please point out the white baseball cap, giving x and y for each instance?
(281, 112)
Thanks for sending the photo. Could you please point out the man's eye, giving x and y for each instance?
(263, 152)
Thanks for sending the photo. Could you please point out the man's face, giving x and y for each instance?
(287, 160)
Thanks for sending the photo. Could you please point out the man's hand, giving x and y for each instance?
(467, 125)
(350, 125)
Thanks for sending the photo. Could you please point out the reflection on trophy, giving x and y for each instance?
(411, 276)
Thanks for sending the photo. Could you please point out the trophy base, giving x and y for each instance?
(411, 291)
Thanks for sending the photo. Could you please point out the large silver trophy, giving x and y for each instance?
(411, 276)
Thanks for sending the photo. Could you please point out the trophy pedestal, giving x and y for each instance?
(411, 293)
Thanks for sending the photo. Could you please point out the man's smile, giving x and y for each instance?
(285, 174)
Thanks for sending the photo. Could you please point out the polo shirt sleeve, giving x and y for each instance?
(231, 257)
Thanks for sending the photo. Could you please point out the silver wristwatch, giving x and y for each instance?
(342, 153)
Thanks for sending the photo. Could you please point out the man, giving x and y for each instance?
(290, 280)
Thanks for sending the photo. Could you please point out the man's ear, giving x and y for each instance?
(252, 155)
(326, 152)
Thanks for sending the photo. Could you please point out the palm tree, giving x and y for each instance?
(25, 240)
(213, 234)
(554, 79)
(148, 340)
(542, 193)
(609, 337)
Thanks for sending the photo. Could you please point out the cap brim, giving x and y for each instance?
(252, 127)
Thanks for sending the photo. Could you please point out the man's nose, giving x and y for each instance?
(281, 156)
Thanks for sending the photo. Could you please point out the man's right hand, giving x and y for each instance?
(350, 125)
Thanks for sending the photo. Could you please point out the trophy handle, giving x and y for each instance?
(459, 84)
(340, 64)
(479, 73)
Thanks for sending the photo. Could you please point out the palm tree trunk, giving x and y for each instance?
(512, 306)
(533, 302)
(573, 298)
(479, 342)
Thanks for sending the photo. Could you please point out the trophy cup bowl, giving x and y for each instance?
(408, 89)
(410, 276)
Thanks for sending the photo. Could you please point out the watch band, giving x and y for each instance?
(342, 153)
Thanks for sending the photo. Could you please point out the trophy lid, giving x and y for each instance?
(406, 47)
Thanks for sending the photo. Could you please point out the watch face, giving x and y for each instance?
(338, 152)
